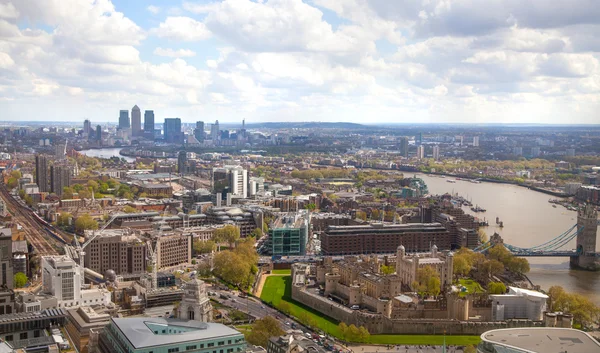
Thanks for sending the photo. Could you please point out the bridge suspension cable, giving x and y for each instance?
(551, 245)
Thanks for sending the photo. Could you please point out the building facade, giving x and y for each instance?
(288, 235)
(172, 128)
(195, 304)
(61, 277)
(60, 177)
(231, 179)
(136, 121)
(199, 131)
(117, 250)
(149, 124)
(124, 119)
(383, 238)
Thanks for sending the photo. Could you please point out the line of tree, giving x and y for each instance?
(584, 311)
(262, 330)
(354, 334)
(239, 265)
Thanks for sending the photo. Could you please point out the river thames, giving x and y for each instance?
(529, 219)
(106, 153)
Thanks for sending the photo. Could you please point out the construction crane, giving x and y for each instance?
(80, 248)
(153, 254)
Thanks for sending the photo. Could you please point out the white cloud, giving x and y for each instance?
(171, 53)
(153, 9)
(182, 28)
(433, 60)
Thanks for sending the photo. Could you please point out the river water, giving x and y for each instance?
(528, 220)
(106, 153)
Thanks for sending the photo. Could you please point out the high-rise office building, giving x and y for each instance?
(420, 152)
(181, 159)
(41, 172)
(436, 152)
(149, 123)
(475, 141)
(117, 250)
(136, 121)
(99, 134)
(535, 151)
(232, 179)
(199, 131)
(124, 119)
(214, 131)
(87, 127)
(419, 139)
(61, 277)
(60, 177)
(60, 151)
(172, 129)
(404, 146)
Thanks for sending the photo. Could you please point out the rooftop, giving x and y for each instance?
(546, 340)
(141, 332)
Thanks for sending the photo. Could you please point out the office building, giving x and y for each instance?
(419, 139)
(41, 173)
(81, 321)
(87, 127)
(60, 151)
(149, 124)
(60, 177)
(231, 179)
(174, 249)
(294, 343)
(383, 238)
(537, 340)
(199, 131)
(181, 162)
(117, 250)
(420, 152)
(61, 277)
(436, 152)
(288, 235)
(136, 121)
(214, 132)
(195, 304)
(124, 119)
(161, 335)
(404, 146)
(99, 134)
(7, 296)
(535, 152)
(475, 141)
(173, 133)
(257, 186)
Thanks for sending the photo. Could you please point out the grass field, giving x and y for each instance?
(277, 289)
(282, 272)
(472, 287)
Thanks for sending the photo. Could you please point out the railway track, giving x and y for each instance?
(34, 231)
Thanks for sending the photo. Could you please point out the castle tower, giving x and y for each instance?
(195, 304)
(587, 226)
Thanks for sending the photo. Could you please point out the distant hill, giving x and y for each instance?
(307, 125)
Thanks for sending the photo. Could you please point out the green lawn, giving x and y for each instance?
(282, 272)
(277, 289)
(472, 287)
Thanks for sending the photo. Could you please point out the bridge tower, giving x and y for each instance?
(587, 226)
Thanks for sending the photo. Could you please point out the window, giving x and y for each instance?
(221, 344)
(211, 345)
(173, 350)
(190, 348)
(201, 345)
(229, 342)
(23, 336)
(9, 338)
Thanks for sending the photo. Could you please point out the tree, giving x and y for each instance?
(28, 200)
(500, 253)
(85, 222)
(518, 265)
(470, 349)
(361, 215)
(129, 209)
(428, 280)
(496, 288)
(284, 307)
(12, 183)
(67, 193)
(256, 233)
(311, 207)
(16, 174)
(483, 237)
(363, 334)
(387, 270)
(492, 267)
(229, 234)
(93, 184)
(64, 219)
(461, 265)
(343, 329)
(434, 286)
(20, 280)
(262, 330)
(204, 247)
(584, 311)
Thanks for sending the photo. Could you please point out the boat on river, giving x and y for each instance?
(451, 181)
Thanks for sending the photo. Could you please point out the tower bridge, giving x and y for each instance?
(584, 255)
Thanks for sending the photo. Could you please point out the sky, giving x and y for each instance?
(362, 61)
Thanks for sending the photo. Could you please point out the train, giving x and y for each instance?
(48, 228)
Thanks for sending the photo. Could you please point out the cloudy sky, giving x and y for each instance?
(366, 61)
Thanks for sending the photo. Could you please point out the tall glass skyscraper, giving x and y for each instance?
(124, 119)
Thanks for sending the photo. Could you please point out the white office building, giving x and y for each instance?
(420, 152)
(519, 304)
(233, 176)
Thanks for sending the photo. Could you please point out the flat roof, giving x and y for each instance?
(543, 340)
(140, 335)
